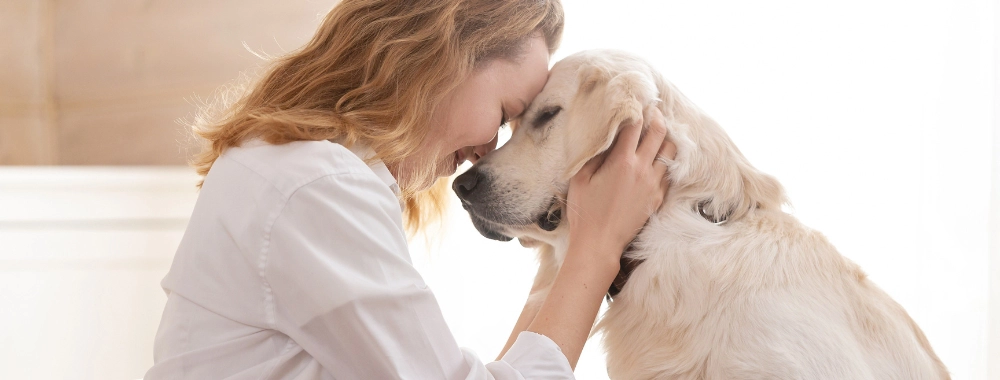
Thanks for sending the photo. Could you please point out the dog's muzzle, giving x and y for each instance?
(470, 190)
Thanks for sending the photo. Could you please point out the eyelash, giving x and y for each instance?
(547, 116)
(503, 118)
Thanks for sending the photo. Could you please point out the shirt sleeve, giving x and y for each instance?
(341, 285)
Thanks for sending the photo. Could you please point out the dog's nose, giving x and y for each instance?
(465, 184)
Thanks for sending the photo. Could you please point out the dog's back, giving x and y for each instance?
(758, 298)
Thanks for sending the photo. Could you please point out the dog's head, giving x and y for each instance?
(520, 189)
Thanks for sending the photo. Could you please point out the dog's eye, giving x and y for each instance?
(546, 115)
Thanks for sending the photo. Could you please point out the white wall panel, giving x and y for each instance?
(82, 251)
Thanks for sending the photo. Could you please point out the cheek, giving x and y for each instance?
(471, 128)
(485, 132)
(473, 114)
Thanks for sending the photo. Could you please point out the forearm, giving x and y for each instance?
(527, 315)
(568, 312)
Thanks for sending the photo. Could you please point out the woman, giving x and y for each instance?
(295, 264)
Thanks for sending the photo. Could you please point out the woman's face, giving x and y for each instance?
(465, 125)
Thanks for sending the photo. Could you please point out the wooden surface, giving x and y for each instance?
(110, 82)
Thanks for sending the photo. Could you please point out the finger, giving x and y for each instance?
(654, 137)
(590, 167)
(667, 151)
(628, 139)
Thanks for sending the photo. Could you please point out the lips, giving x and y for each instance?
(487, 229)
(456, 158)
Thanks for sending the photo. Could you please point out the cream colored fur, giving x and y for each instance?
(759, 297)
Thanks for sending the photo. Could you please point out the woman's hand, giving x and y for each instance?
(613, 195)
(608, 202)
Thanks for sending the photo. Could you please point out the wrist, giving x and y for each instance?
(598, 261)
(601, 241)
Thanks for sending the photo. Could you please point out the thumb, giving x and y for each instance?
(588, 169)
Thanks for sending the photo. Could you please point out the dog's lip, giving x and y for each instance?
(507, 223)
(495, 220)
(491, 224)
(501, 224)
(497, 230)
(488, 229)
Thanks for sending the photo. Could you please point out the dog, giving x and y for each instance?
(720, 283)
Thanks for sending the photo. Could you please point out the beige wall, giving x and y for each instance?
(26, 136)
(105, 82)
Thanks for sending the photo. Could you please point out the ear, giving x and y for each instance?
(591, 75)
(761, 190)
(743, 190)
(602, 105)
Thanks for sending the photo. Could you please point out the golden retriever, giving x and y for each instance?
(721, 283)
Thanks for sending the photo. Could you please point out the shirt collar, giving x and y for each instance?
(365, 153)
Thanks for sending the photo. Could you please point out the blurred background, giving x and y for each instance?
(880, 118)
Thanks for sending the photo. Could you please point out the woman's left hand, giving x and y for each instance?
(609, 202)
(612, 198)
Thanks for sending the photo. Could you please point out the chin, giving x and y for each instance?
(410, 177)
(447, 170)
(447, 166)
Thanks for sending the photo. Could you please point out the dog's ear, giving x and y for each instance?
(744, 193)
(732, 186)
(760, 190)
(591, 75)
(602, 105)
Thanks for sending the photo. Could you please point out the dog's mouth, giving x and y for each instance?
(548, 220)
(488, 229)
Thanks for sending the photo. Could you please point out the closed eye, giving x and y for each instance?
(546, 116)
(503, 117)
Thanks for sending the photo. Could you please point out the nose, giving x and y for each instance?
(480, 151)
(465, 184)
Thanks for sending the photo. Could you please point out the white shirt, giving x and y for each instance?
(295, 266)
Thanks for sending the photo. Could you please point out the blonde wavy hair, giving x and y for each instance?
(374, 73)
